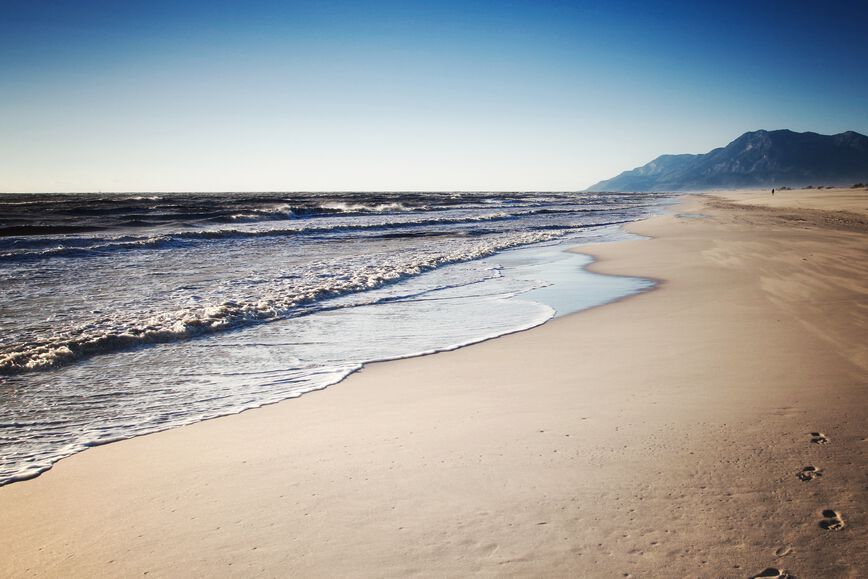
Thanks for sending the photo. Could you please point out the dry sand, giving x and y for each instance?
(661, 436)
(853, 200)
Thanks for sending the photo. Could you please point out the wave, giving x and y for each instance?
(96, 245)
(295, 298)
(391, 207)
(328, 209)
(36, 248)
(23, 230)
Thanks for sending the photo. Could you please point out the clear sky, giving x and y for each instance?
(213, 95)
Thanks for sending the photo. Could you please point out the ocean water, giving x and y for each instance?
(128, 314)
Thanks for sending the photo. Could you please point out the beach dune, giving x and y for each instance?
(712, 427)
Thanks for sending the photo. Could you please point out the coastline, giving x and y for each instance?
(664, 431)
(539, 282)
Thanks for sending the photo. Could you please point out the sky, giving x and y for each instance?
(390, 96)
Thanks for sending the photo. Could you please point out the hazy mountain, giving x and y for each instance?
(755, 159)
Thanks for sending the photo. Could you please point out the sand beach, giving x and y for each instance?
(712, 427)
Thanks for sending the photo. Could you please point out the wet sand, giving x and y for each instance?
(667, 435)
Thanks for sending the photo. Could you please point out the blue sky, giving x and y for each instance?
(219, 96)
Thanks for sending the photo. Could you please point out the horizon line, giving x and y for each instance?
(288, 191)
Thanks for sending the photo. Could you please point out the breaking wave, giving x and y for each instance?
(281, 300)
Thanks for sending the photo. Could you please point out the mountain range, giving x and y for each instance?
(755, 159)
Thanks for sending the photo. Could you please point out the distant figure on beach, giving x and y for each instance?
(773, 192)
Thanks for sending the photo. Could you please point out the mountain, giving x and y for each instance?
(755, 159)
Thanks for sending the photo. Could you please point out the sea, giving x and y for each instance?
(126, 314)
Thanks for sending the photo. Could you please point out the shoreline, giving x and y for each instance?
(360, 364)
(663, 431)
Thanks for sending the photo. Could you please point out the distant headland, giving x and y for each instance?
(755, 159)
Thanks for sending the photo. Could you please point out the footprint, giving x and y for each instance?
(809, 473)
(819, 438)
(774, 573)
(781, 551)
(833, 521)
